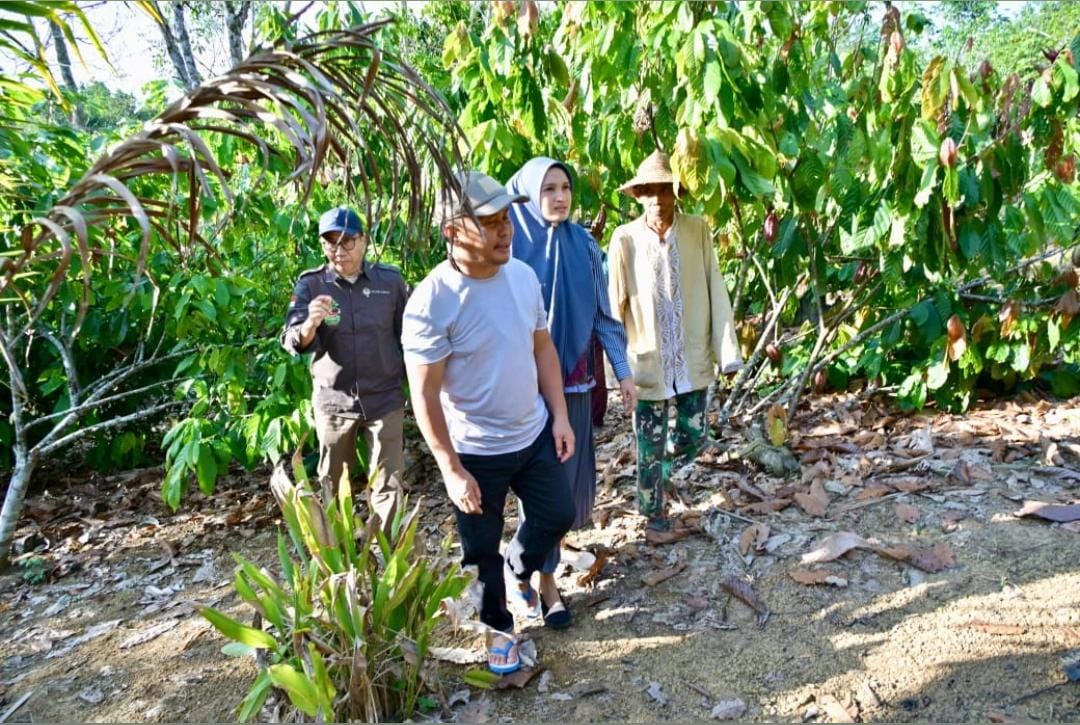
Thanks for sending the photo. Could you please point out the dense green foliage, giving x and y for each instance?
(811, 134)
(865, 184)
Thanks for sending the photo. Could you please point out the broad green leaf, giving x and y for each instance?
(937, 375)
(301, 691)
(238, 632)
(756, 184)
(924, 144)
(206, 470)
(1053, 333)
(1021, 358)
(255, 698)
(713, 79)
(806, 181)
(1040, 93)
(483, 679)
(1065, 77)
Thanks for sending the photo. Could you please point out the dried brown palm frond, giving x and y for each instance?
(332, 99)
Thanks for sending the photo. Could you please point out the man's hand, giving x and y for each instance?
(629, 395)
(463, 490)
(564, 438)
(318, 310)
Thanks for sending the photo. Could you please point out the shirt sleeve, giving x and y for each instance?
(725, 342)
(609, 331)
(399, 307)
(295, 317)
(538, 296)
(425, 338)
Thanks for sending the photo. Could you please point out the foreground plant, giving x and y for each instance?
(351, 616)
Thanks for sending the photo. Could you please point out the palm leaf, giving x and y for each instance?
(332, 100)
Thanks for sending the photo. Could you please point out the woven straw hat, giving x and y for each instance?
(655, 169)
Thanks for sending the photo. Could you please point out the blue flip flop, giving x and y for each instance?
(529, 611)
(504, 652)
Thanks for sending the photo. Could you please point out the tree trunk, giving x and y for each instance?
(172, 47)
(13, 502)
(236, 12)
(193, 75)
(63, 59)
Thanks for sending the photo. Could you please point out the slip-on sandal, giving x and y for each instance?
(504, 651)
(557, 616)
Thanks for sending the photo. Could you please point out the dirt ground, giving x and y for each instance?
(953, 608)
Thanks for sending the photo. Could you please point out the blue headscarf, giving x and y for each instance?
(559, 254)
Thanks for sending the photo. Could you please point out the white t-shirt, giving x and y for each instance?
(483, 328)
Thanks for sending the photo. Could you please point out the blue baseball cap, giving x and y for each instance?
(340, 219)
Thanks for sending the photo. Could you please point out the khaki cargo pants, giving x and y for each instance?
(385, 443)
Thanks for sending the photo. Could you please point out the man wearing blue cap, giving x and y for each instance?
(347, 314)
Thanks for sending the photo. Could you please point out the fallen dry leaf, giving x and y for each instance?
(872, 492)
(589, 578)
(659, 538)
(1050, 512)
(834, 546)
(907, 513)
(938, 557)
(517, 679)
(753, 536)
(815, 503)
(995, 627)
(766, 507)
(741, 590)
(653, 578)
(818, 576)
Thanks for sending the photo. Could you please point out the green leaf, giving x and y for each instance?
(255, 698)
(806, 181)
(237, 649)
(713, 80)
(173, 486)
(1053, 333)
(483, 679)
(300, 689)
(1021, 358)
(1040, 93)
(950, 187)
(206, 470)
(937, 375)
(238, 632)
(1065, 77)
(912, 393)
(924, 144)
(756, 184)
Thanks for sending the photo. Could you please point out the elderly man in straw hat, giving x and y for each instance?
(666, 288)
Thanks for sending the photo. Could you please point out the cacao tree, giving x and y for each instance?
(860, 198)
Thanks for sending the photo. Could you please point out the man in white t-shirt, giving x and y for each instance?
(487, 390)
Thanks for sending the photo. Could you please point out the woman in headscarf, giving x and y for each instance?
(568, 263)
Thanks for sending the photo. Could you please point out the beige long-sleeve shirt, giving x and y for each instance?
(641, 300)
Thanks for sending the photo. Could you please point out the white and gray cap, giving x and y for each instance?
(480, 195)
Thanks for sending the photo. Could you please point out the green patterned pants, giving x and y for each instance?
(658, 453)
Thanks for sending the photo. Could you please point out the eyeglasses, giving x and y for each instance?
(347, 243)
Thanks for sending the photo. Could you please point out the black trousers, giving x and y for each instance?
(535, 475)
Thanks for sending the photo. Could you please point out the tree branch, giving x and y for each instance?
(69, 365)
(101, 402)
(106, 425)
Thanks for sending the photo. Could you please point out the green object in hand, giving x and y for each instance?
(335, 314)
